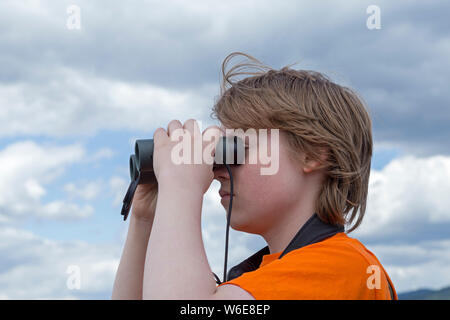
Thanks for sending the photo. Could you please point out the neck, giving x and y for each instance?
(280, 234)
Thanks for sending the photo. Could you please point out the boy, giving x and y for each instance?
(324, 156)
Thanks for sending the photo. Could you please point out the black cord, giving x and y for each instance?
(228, 223)
(217, 278)
(227, 230)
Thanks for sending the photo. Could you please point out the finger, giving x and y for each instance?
(172, 126)
(192, 126)
(159, 137)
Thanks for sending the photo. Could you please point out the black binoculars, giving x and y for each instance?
(229, 151)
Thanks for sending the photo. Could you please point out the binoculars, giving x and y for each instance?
(229, 151)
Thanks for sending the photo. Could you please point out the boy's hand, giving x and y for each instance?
(144, 202)
(183, 156)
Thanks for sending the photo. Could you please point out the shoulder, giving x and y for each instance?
(339, 249)
(338, 258)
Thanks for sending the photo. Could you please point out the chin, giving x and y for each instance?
(234, 224)
(243, 226)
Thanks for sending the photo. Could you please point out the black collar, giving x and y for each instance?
(314, 230)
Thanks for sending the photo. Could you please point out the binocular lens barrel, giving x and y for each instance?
(143, 150)
(134, 173)
(229, 150)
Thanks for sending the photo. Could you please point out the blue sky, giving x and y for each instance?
(72, 103)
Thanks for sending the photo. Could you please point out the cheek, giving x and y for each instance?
(251, 184)
(269, 190)
(259, 197)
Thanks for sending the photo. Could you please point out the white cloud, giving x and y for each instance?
(26, 168)
(407, 195)
(39, 95)
(36, 268)
(90, 104)
(63, 210)
(103, 153)
(118, 187)
(87, 191)
(34, 189)
(416, 266)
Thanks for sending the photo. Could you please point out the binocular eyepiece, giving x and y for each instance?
(229, 151)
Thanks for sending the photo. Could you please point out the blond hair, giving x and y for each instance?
(318, 116)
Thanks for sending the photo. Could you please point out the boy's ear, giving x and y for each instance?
(311, 164)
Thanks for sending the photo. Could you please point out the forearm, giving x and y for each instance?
(130, 274)
(176, 266)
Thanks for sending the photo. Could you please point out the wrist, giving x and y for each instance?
(171, 181)
(177, 188)
(139, 231)
(141, 222)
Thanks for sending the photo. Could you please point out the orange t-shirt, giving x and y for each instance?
(336, 268)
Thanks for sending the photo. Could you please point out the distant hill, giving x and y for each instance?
(426, 294)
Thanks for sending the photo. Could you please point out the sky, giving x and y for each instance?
(74, 100)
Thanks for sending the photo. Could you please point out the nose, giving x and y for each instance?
(221, 173)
